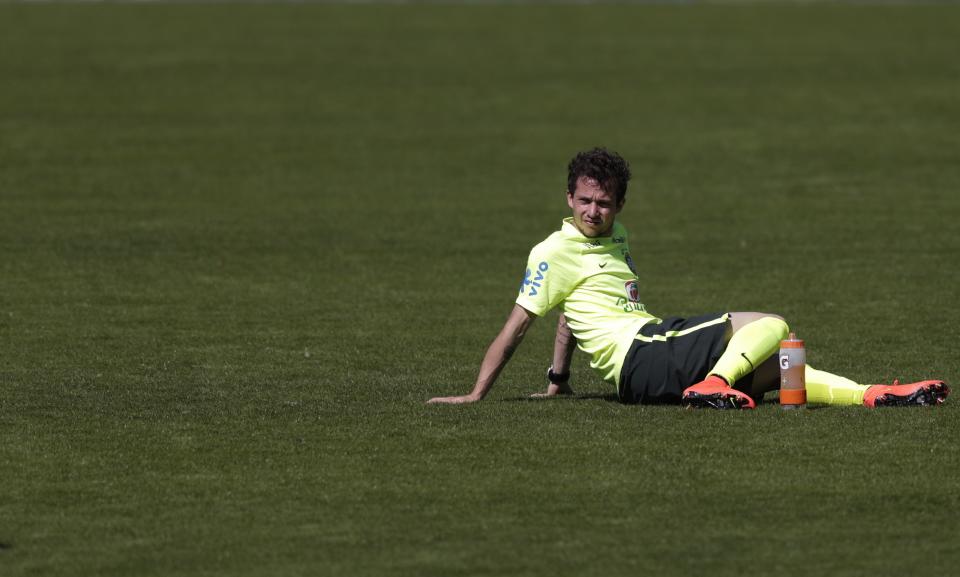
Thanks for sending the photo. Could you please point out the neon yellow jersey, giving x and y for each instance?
(596, 281)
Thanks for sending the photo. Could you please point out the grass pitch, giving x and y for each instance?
(241, 245)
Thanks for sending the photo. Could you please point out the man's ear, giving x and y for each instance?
(569, 199)
(620, 205)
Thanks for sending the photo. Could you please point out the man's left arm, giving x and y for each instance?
(563, 346)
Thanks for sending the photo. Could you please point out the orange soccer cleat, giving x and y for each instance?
(714, 393)
(897, 395)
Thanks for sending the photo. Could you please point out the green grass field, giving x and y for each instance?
(240, 246)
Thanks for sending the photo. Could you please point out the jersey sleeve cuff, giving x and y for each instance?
(530, 307)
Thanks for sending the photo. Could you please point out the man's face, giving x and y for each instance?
(594, 209)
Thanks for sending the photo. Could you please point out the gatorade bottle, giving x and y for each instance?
(793, 362)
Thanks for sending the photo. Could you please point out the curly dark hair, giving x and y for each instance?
(608, 168)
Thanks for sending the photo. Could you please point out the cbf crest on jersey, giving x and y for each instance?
(633, 290)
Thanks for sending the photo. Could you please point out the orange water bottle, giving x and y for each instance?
(793, 364)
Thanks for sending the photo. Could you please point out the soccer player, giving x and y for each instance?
(718, 360)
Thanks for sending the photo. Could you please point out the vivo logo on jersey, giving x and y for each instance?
(633, 290)
(533, 279)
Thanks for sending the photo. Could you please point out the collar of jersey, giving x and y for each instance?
(570, 231)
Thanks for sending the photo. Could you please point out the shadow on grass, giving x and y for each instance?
(609, 397)
(612, 398)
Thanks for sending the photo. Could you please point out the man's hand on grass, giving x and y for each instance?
(459, 400)
(553, 390)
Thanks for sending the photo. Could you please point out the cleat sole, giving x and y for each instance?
(926, 396)
(714, 401)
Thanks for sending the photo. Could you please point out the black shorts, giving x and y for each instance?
(669, 356)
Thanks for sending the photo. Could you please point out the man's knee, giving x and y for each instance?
(778, 325)
(740, 320)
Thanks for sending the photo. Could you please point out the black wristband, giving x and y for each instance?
(557, 378)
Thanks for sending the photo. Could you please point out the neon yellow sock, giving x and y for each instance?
(824, 387)
(750, 346)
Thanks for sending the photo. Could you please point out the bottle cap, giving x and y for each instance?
(791, 342)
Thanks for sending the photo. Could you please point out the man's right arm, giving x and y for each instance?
(499, 352)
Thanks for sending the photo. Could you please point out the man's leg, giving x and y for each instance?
(754, 340)
(822, 387)
(762, 380)
(751, 351)
(749, 363)
(760, 334)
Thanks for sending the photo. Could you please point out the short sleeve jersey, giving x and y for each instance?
(595, 281)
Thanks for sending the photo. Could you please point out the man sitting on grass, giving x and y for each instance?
(720, 360)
